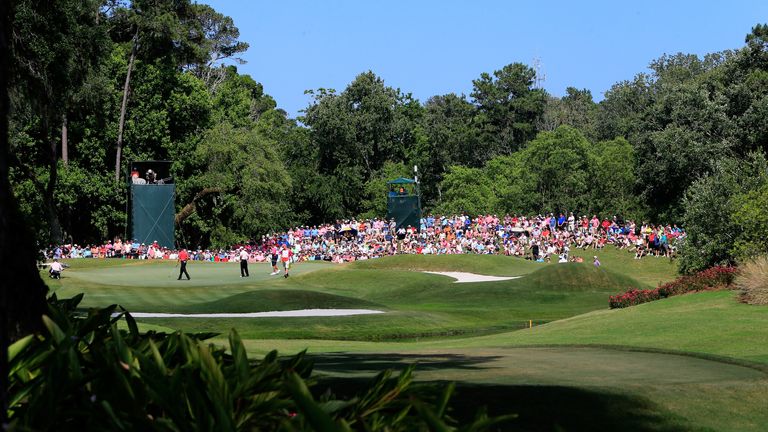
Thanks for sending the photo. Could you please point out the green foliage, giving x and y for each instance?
(448, 136)
(467, 190)
(376, 189)
(750, 210)
(354, 133)
(560, 163)
(712, 230)
(558, 171)
(253, 181)
(613, 179)
(576, 109)
(87, 373)
(509, 108)
(636, 153)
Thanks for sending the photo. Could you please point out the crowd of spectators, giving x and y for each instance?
(541, 238)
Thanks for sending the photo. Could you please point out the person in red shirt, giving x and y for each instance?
(183, 258)
(285, 257)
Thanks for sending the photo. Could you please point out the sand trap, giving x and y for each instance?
(274, 314)
(462, 277)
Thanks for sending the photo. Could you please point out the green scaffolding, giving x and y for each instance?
(153, 213)
(404, 203)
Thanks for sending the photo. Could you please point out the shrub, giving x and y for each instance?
(713, 278)
(752, 281)
(633, 297)
(87, 374)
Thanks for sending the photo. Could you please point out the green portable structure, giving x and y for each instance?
(153, 208)
(153, 213)
(404, 203)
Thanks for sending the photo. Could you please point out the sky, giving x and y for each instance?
(430, 48)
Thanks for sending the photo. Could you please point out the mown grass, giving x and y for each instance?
(418, 305)
(578, 368)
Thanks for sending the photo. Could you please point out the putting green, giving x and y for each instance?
(165, 273)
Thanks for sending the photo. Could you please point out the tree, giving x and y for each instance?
(219, 40)
(575, 109)
(559, 163)
(22, 292)
(466, 190)
(448, 136)
(613, 179)
(356, 131)
(509, 109)
(56, 46)
(749, 214)
(669, 162)
(247, 168)
(710, 206)
(169, 35)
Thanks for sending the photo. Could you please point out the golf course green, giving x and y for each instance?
(544, 345)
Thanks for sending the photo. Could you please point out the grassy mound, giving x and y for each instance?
(493, 265)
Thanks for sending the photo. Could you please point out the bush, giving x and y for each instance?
(752, 281)
(633, 297)
(87, 374)
(713, 278)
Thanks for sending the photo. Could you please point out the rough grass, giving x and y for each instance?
(752, 281)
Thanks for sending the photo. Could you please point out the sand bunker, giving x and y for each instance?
(462, 277)
(274, 314)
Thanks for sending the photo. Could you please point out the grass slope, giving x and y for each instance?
(708, 323)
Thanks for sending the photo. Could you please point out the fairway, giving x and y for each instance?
(667, 365)
(560, 365)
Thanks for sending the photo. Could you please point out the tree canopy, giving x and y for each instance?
(96, 84)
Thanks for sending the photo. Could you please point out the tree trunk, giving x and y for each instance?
(53, 176)
(123, 107)
(22, 292)
(64, 142)
(190, 208)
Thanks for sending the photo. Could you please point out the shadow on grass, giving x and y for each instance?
(362, 364)
(539, 407)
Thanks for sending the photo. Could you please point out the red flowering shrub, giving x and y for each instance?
(712, 278)
(633, 297)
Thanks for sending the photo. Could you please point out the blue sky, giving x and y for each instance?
(430, 48)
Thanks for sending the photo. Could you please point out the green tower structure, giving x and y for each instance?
(404, 202)
(152, 199)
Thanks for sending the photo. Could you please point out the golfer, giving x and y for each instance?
(183, 258)
(274, 255)
(56, 269)
(285, 256)
(243, 262)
